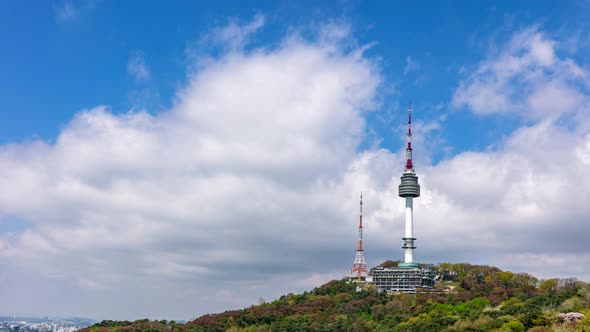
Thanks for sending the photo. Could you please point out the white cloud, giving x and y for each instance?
(525, 77)
(526, 199)
(247, 188)
(66, 12)
(411, 65)
(228, 182)
(137, 68)
(235, 35)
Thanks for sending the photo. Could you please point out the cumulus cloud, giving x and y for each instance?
(527, 77)
(137, 68)
(247, 187)
(526, 198)
(217, 193)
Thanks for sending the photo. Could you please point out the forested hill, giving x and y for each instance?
(469, 298)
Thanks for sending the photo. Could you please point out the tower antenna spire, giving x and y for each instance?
(409, 161)
(360, 243)
(360, 266)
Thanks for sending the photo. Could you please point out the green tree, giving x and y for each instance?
(513, 326)
(548, 286)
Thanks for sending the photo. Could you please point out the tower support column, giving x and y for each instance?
(409, 235)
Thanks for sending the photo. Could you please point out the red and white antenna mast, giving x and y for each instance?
(409, 164)
(360, 266)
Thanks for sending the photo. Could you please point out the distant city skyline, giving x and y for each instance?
(44, 324)
(167, 160)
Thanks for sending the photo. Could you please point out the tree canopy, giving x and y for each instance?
(467, 298)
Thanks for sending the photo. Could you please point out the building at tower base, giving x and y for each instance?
(405, 278)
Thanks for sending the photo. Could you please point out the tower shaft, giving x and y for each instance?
(409, 235)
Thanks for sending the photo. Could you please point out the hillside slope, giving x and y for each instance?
(469, 298)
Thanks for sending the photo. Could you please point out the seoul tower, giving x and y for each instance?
(360, 266)
(409, 188)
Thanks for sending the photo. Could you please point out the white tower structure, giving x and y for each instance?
(409, 189)
(407, 276)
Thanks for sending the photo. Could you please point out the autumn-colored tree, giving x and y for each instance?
(467, 298)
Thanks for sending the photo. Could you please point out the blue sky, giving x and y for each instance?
(53, 67)
(150, 152)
